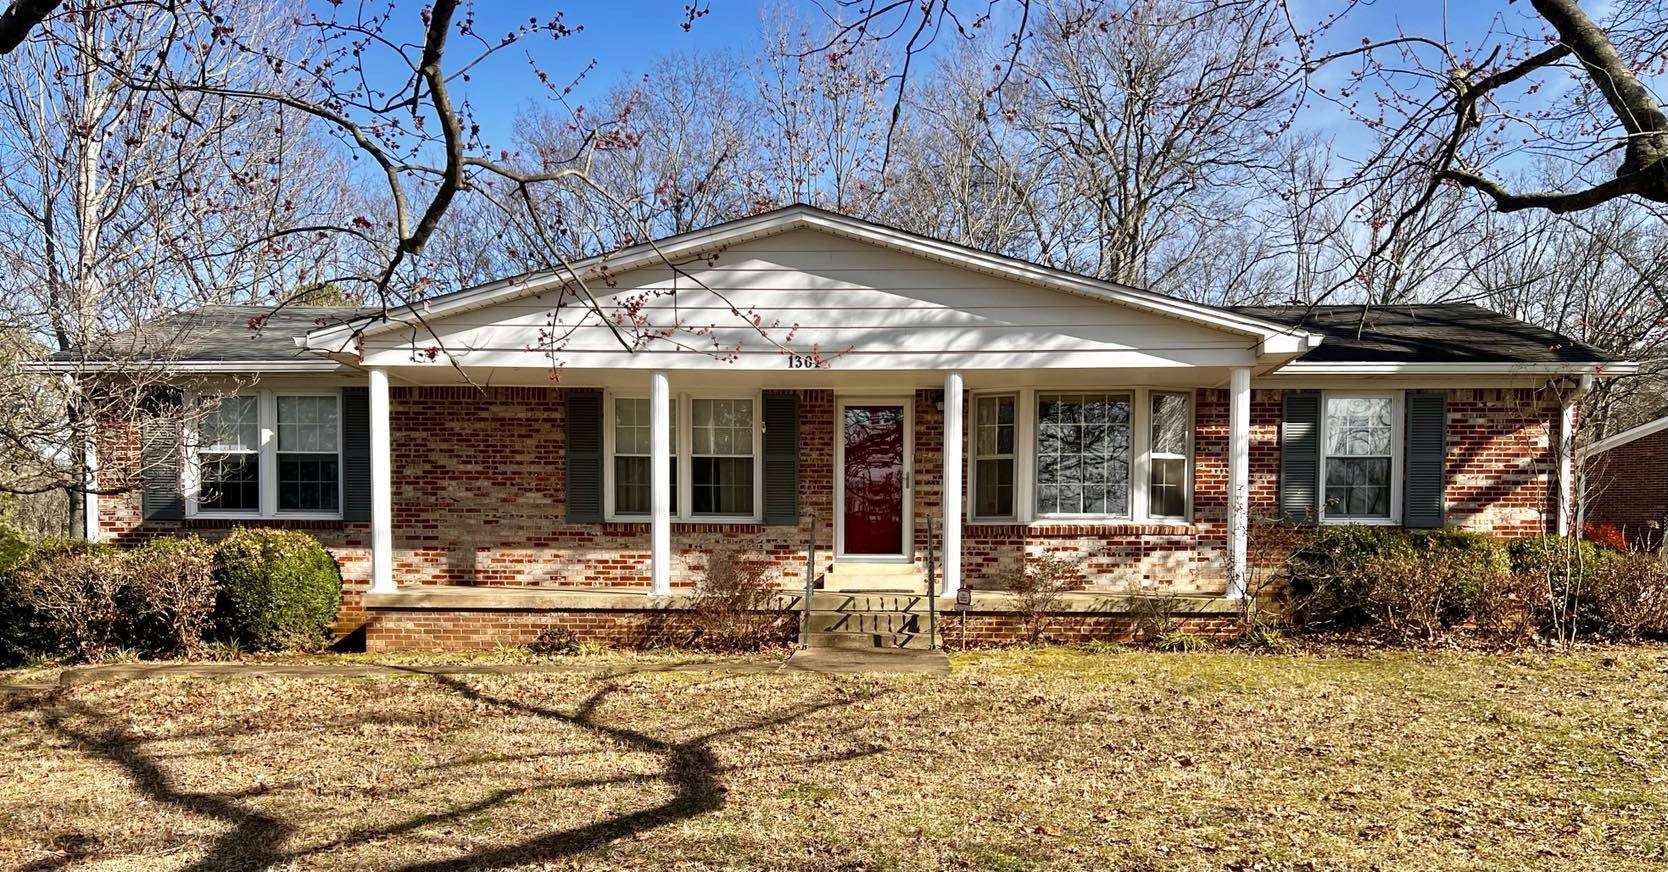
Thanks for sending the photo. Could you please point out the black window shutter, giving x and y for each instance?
(1427, 452)
(356, 454)
(1300, 457)
(781, 458)
(584, 457)
(159, 454)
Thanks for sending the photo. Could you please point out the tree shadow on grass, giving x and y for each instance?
(256, 839)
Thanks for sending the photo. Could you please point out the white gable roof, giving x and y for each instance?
(1258, 336)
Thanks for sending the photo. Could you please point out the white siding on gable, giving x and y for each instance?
(860, 305)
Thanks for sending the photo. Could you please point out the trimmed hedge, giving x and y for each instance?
(278, 589)
(1351, 576)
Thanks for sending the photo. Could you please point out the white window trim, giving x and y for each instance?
(1188, 459)
(683, 442)
(971, 426)
(1025, 464)
(1397, 400)
(266, 410)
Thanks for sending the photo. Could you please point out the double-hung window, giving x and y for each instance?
(268, 454)
(229, 456)
(1359, 438)
(994, 427)
(632, 473)
(715, 448)
(1168, 448)
(721, 457)
(1083, 454)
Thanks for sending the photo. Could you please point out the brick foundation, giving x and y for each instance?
(482, 629)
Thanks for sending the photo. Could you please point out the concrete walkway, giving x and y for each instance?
(816, 660)
(836, 661)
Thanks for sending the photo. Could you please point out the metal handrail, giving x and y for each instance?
(810, 581)
(932, 590)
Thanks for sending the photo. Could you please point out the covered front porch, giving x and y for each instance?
(867, 482)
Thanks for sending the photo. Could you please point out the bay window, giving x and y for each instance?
(267, 454)
(1358, 435)
(1083, 454)
(994, 423)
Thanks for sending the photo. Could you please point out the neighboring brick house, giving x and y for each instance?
(474, 490)
(1626, 482)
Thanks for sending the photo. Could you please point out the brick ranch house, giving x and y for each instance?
(1626, 482)
(967, 405)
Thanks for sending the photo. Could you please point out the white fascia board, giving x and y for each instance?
(190, 366)
(1274, 338)
(1626, 436)
(1601, 370)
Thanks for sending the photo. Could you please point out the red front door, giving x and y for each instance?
(874, 479)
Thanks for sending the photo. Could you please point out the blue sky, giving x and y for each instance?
(624, 37)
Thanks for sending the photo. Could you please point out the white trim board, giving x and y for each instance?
(1626, 436)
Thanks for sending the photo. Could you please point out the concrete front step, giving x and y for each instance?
(869, 622)
(862, 641)
(859, 601)
(874, 577)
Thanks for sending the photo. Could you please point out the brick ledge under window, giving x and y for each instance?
(202, 523)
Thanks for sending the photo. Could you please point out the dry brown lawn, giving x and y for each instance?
(1051, 758)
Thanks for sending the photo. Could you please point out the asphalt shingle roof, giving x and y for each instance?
(1428, 333)
(225, 333)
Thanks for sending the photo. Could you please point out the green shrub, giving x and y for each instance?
(1406, 583)
(20, 631)
(1628, 595)
(1329, 574)
(278, 589)
(1562, 568)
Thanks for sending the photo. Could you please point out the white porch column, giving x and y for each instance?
(1239, 479)
(1566, 465)
(89, 497)
(660, 485)
(382, 487)
(952, 482)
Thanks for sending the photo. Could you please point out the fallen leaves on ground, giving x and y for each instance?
(1048, 758)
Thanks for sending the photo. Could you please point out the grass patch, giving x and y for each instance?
(1030, 759)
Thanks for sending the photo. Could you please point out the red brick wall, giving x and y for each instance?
(479, 490)
(1628, 486)
(478, 496)
(1502, 460)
